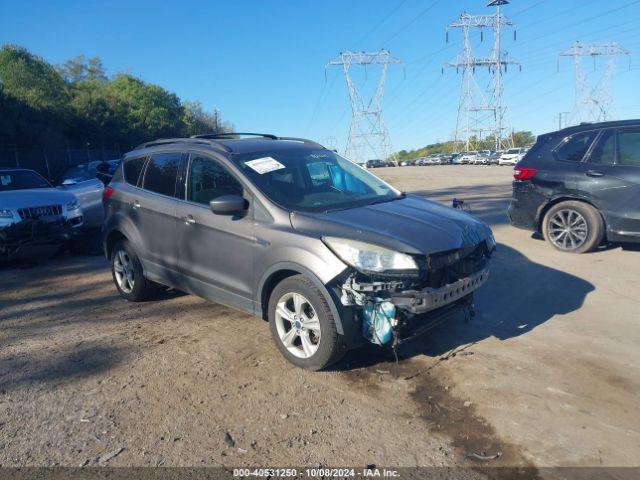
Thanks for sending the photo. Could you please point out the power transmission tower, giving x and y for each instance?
(367, 132)
(481, 111)
(593, 102)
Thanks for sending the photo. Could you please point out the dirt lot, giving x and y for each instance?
(547, 374)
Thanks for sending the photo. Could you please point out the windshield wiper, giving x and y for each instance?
(385, 200)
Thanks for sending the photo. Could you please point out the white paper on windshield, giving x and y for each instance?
(264, 165)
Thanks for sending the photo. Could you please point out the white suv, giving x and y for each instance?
(512, 156)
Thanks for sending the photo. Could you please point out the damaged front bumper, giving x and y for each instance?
(395, 309)
(417, 302)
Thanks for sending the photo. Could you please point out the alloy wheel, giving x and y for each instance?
(568, 229)
(123, 269)
(298, 325)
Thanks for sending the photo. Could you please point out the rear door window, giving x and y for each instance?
(161, 173)
(132, 168)
(574, 149)
(604, 153)
(629, 147)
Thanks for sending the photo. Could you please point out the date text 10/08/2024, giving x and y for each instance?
(372, 472)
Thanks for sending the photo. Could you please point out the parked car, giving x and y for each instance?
(512, 156)
(467, 157)
(432, 160)
(580, 186)
(494, 157)
(481, 158)
(456, 159)
(376, 164)
(36, 219)
(329, 254)
(86, 181)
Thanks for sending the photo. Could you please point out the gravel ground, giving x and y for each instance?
(547, 374)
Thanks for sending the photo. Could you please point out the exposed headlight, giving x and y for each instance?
(73, 205)
(6, 213)
(368, 257)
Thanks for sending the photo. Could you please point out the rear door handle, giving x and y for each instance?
(189, 220)
(594, 173)
(135, 204)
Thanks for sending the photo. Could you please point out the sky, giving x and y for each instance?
(262, 62)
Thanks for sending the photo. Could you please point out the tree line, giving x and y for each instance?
(79, 104)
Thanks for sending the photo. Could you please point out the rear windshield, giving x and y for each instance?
(20, 180)
(313, 180)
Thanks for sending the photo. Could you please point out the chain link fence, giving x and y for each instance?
(53, 162)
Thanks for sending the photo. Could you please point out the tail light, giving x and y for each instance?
(523, 173)
(106, 193)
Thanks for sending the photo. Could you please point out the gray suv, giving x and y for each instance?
(285, 229)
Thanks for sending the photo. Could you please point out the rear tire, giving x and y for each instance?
(302, 325)
(574, 227)
(128, 276)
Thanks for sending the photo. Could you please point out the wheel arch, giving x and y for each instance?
(110, 241)
(284, 270)
(566, 198)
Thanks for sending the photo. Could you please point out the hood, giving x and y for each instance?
(410, 225)
(34, 197)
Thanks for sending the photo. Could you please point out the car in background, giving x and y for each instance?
(456, 159)
(35, 218)
(329, 254)
(375, 164)
(432, 160)
(512, 156)
(86, 181)
(467, 157)
(494, 157)
(481, 158)
(580, 186)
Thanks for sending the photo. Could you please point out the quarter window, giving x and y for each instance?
(132, 169)
(576, 147)
(629, 147)
(208, 180)
(605, 150)
(160, 175)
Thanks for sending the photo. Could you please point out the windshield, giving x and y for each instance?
(82, 172)
(513, 150)
(313, 180)
(20, 180)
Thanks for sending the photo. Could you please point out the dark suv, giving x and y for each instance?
(287, 230)
(580, 186)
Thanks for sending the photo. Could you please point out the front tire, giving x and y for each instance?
(302, 325)
(127, 273)
(574, 227)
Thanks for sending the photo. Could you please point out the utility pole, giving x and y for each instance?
(593, 102)
(561, 116)
(367, 133)
(481, 110)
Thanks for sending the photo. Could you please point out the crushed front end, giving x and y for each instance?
(396, 307)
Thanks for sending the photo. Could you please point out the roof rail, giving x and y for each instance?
(303, 140)
(223, 136)
(214, 136)
(165, 141)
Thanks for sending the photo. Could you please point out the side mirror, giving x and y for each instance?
(228, 205)
(68, 182)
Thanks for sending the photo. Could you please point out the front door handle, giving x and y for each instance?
(594, 173)
(189, 220)
(135, 204)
